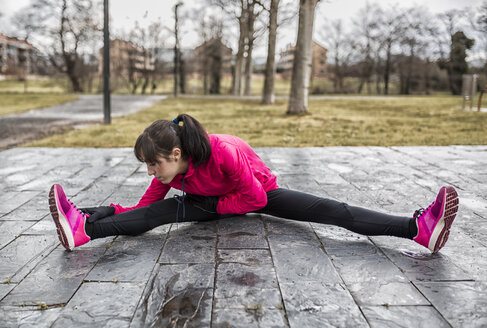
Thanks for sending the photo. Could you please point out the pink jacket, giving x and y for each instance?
(234, 172)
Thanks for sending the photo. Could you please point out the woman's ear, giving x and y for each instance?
(176, 153)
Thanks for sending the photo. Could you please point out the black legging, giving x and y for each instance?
(281, 202)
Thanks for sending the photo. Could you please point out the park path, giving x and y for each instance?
(246, 271)
(16, 129)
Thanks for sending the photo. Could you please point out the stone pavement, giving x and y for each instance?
(246, 271)
(16, 129)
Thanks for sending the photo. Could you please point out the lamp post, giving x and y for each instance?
(106, 66)
(176, 50)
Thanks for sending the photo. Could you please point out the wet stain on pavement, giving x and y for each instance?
(246, 279)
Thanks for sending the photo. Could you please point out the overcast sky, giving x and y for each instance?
(125, 12)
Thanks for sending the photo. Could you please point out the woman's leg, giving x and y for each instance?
(300, 206)
(143, 219)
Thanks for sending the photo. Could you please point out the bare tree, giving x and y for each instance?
(141, 63)
(255, 29)
(238, 10)
(69, 25)
(280, 14)
(298, 98)
(390, 29)
(210, 54)
(156, 45)
(447, 24)
(250, 39)
(26, 22)
(202, 58)
(415, 41)
(341, 47)
(245, 12)
(478, 22)
(137, 76)
(270, 67)
(239, 57)
(367, 32)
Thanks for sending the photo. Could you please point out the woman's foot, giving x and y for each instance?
(434, 223)
(69, 220)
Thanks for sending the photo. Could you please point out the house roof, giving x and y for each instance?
(19, 43)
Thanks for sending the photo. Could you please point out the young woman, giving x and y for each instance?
(221, 175)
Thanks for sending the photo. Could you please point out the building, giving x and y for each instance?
(17, 56)
(164, 59)
(318, 60)
(211, 50)
(127, 58)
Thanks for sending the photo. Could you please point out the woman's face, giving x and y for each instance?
(165, 169)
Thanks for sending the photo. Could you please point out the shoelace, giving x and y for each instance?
(77, 222)
(77, 209)
(420, 212)
(180, 200)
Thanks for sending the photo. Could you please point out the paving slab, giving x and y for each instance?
(251, 270)
(60, 275)
(394, 317)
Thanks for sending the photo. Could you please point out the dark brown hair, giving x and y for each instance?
(159, 139)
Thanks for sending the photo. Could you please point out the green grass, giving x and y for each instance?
(48, 85)
(166, 85)
(337, 122)
(194, 86)
(17, 103)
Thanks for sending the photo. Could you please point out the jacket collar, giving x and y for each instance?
(190, 169)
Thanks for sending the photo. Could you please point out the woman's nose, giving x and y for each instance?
(150, 171)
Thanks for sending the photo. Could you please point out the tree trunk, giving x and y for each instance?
(387, 69)
(338, 74)
(182, 73)
(378, 80)
(298, 98)
(250, 46)
(407, 89)
(378, 75)
(216, 66)
(71, 72)
(205, 77)
(427, 85)
(268, 97)
(239, 58)
(335, 79)
(75, 84)
(145, 85)
(360, 86)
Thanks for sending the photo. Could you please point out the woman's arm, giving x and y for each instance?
(156, 192)
(248, 194)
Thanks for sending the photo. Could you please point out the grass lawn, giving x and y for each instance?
(336, 122)
(17, 103)
(48, 85)
(166, 85)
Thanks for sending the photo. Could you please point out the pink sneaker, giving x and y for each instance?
(434, 223)
(69, 220)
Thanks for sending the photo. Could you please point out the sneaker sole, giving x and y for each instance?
(441, 232)
(60, 221)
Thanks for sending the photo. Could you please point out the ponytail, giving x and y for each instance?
(194, 139)
(159, 139)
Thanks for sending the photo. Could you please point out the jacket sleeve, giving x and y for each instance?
(248, 193)
(156, 191)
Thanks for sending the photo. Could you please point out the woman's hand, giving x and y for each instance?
(96, 213)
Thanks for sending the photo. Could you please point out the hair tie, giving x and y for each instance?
(176, 121)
